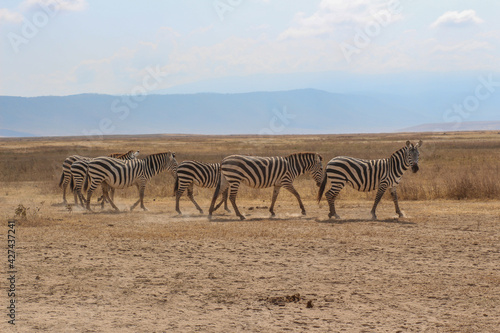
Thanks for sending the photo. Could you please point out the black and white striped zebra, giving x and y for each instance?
(190, 173)
(120, 174)
(369, 175)
(79, 171)
(67, 176)
(263, 172)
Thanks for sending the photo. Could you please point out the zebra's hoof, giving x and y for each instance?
(242, 217)
(201, 211)
(273, 215)
(304, 212)
(209, 217)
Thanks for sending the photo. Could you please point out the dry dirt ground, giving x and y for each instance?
(437, 270)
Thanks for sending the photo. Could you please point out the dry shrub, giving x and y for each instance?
(472, 186)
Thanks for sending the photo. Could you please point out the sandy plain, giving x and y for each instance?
(436, 270)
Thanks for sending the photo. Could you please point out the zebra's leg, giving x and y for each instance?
(141, 187)
(178, 196)
(330, 197)
(292, 190)
(394, 196)
(76, 197)
(91, 189)
(225, 195)
(190, 196)
(102, 199)
(381, 190)
(222, 186)
(223, 201)
(105, 197)
(81, 197)
(64, 186)
(276, 191)
(233, 191)
(78, 191)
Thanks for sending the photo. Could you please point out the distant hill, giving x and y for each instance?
(455, 126)
(301, 111)
(9, 133)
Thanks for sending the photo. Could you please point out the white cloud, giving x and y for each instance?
(7, 16)
(334, 16)
(463, 47)
(50, 6)
(56, 5)
(457, 19)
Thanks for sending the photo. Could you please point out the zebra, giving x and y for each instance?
(369, 175)
(202, 174)
(263, 172)
(79, 170)
(66, 176)
(120, 174)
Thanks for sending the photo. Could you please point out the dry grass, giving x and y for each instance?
(434, 271)
(452, 166)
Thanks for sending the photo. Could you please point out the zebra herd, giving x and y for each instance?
(124, 170)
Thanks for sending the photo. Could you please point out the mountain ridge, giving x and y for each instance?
(297, 111)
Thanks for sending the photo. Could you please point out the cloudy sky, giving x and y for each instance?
(62, 47)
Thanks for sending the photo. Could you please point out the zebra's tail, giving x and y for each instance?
(86, 182)
(72, 184)
(322, 187)
(176, 185)
(61, 181)
(216, 194)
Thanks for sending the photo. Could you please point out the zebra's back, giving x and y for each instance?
(72, 159)
(363, 175)
(199, 173)
(254, 171)
(117, 173)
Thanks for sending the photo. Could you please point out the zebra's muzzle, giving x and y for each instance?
(414, 168)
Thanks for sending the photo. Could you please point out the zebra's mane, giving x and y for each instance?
(118, 155)
(403, 150)
(159, 154)
(301, 154)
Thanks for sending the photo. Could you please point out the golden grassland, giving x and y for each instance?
(436, 270)
(452, 165)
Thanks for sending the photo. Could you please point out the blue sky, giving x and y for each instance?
(63, 47)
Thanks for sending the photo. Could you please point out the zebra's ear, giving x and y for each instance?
(320, 158)
(173, 154)
(408, 143)
(419, 144)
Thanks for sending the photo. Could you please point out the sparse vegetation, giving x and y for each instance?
(453, 166)
(435, 270)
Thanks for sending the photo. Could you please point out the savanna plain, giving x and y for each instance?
(435, 270)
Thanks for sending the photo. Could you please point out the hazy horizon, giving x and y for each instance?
(441, 56)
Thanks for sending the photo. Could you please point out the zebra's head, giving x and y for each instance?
(163, 161)
(173, 164)
(317, 169)
(413, 154)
